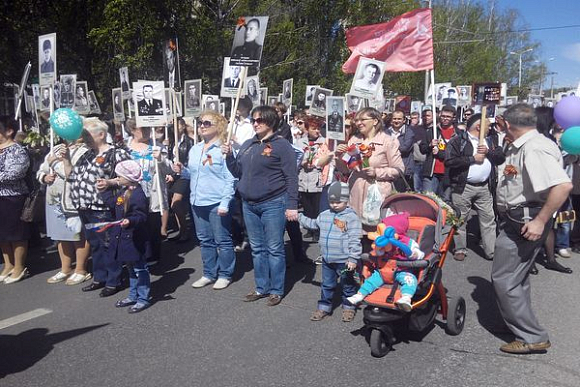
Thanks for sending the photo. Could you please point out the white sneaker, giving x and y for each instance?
(58, 277)
(564, 253)
(355, 299)
(241, 247)
(203, 281)
(318, 260)
(221, 283)
(404, 303)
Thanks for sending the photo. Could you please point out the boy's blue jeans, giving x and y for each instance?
(330, 274)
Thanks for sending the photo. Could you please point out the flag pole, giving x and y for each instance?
(433, 103)
(175, 128)
(51, 102)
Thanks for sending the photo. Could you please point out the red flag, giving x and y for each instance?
(404, 43)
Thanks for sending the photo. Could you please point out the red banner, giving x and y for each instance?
(404, 43)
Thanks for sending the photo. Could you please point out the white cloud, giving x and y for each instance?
(572, 51)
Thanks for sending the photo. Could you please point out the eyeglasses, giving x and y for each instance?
(258, 120)
(299, 122)
(206, 124)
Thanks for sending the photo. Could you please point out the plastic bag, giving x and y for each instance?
(371, 213)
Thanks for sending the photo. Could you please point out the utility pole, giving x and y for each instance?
(520, 70)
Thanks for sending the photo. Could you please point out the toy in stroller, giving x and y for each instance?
(427, 218)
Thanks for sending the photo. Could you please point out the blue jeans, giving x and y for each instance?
(330, 274)
(139, 282)
(418, 177)
(431, 184)
(265, 223)
(215, 238)
(105, 268)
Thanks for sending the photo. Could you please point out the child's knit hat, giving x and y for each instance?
(130, 170)
(338, 192)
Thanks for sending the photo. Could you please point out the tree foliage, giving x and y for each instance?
(305, 41)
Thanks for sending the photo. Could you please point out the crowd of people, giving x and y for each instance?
(110, 195)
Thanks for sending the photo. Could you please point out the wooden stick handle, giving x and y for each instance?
(483, 125)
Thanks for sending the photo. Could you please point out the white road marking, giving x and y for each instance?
(23, 317)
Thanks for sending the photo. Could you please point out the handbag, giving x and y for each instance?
(32, 209)
(371, 213)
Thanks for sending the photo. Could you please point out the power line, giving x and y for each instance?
(508, 31)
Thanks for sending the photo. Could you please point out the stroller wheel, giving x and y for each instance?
(455, 316)
(380, 343)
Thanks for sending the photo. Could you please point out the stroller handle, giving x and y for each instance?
(418, 263)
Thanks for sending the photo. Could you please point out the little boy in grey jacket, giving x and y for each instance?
(340, 246)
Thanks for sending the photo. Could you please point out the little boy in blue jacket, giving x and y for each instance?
(340, 246)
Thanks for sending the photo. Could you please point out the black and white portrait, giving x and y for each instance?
(535, 100)
(368, 78)
(263, 96)
(82, 98)
(464, 95)
(150, 99)
(47, 59)
(287, 88)
(124, 79)
(36, 95)
(44, 99)
(272, 100)
(171, 63)
(56, 91)
(450, 97)
(511, 100)
(335, 118)
(117, 98)
(416, 106)
(352, 103)
(309, 94)
(67, 95)
(231, 79)
(319, 105)
(252, 90)
(249, 40)
(439, 93)
(93, 103)
(192, 90)
(172, 105)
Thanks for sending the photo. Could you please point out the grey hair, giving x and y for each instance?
(521, 115)
(93, 124)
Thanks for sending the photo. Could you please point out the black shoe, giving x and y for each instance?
(557, 267)
(93, 286)
(533, 270)
(107, 291)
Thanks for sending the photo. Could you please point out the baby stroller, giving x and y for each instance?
(426, 226)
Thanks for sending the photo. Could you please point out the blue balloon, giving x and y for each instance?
(570, 140)
(66, 123)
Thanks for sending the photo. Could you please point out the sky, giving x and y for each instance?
(561, 44)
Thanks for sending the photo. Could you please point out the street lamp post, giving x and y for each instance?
(520, 70)
(542, 75)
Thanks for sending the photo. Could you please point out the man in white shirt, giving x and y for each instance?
(471, 166)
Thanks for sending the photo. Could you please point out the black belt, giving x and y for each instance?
(483, 183)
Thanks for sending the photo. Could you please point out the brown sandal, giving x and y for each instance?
(348, 315)
(318, 315)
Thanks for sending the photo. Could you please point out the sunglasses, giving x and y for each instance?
(299, 122)
(258, 120)
(206, 124)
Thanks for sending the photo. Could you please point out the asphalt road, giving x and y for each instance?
(203, 337)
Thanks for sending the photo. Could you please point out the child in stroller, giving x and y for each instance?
(393, 244)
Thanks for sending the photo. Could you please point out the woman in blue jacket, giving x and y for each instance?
(266, 167)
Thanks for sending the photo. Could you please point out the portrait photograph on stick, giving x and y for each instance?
(231, 79)
(94, 103)
(171, 63)
(335, 118)
(150, 99)
(192, 89)
(287, 87)
(124, 81)
(117, 98)
(47, 59)
(272, 100)
(44, 99)
(67, 95)
(318, 107)
(368, 78)
(263, 95)
(56, 92)
(249, 41)
(81, 98)
(464, 95)
(309, 94)
(252, 89)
